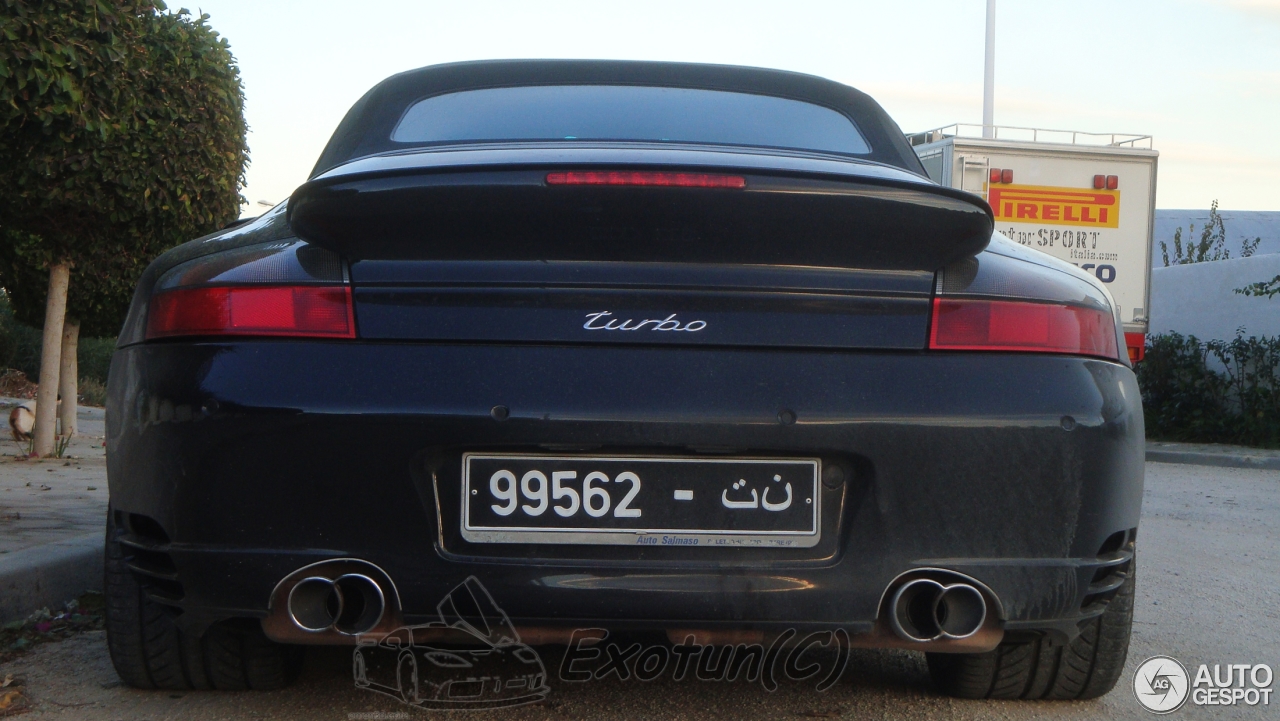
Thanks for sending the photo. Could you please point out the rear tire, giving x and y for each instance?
(150, 651)
(1030, 668)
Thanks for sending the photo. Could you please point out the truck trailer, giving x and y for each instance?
(1086, 198)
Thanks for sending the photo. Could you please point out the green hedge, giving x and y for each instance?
(1212, 392)
(20, 349)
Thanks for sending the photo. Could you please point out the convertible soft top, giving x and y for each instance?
(367, 129)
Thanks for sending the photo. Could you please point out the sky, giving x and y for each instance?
(1200, 76)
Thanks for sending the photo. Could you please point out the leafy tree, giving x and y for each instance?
(1211, 246)
(1262, 289)
(121, 134)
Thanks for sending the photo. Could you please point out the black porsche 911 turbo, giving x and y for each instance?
(635, 345)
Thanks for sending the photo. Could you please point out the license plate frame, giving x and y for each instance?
(747, 519)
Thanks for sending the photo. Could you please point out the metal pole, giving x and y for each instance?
(989, 75)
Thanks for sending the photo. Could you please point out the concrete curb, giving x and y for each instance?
(49, 575)
(1221, 460)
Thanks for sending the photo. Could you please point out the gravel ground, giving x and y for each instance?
(1208, 587)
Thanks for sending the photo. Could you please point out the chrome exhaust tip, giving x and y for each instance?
(961, 611)
(333, 602)
(363, 604)
(351, 604)
(314, 604)
(925, 610)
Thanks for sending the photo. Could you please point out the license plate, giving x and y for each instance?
(640, 501)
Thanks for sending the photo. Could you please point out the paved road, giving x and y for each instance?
(1208, 588)
(47, 500)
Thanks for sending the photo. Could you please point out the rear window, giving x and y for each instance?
(622, 112)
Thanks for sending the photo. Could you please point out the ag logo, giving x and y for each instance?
(1161, 684)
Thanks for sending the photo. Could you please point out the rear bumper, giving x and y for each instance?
(259, 457)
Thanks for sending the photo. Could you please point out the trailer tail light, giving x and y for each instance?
(1112, 182)
(645, 178)
(1137, 345)
(1021, 326)
(994, 176)
(1099, 182)
(1006, 176)
(298, 311)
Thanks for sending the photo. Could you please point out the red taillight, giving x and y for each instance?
(629, 177)
(1006, 176)
(994, 176)
(1113, 182)
(1099, 182)
(316, 311)
(1004, 325)
(1137, 345)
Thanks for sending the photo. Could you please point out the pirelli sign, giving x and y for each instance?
(1055, 206)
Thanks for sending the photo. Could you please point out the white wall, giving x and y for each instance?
(1198, 299)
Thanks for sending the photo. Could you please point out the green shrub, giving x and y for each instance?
(19, 344)
(8, 343)
(92, 392)
(20, 349)
(1212, 392)
(93, 358)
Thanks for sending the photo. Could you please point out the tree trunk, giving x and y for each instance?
(55, 311)
(68, 377)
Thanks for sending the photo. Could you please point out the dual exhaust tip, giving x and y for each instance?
(351, 604)
(921, 610)
(925, 610)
